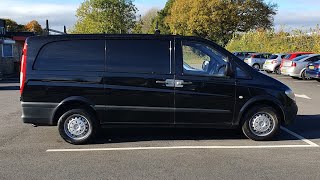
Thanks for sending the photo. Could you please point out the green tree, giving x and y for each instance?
(14, 26)
(160, 19)
(219, 19)
(105, 16)
(147, 20)
(137, 29)
(33, 26)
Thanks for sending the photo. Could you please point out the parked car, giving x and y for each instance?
(242, 55)
(273, 63)
(256, 60)
(297, 67)
(293, 55)
(313, 70)
(83, 82)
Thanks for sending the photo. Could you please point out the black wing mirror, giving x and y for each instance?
(228, 70)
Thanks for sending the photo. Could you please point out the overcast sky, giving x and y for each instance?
(292, 13)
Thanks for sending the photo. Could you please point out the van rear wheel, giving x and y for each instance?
(77, 126)
(261, 123)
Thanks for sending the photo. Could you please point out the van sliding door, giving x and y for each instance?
(138, 82)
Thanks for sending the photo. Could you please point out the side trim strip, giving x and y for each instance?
(37, 104)
(166, 109)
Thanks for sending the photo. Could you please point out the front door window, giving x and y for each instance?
(200, 59)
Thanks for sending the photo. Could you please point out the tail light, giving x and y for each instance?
(23, 67)
(317, 66)
(294, 64)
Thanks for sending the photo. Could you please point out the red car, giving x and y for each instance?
(291, 56)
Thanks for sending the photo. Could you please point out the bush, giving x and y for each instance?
(276, 42)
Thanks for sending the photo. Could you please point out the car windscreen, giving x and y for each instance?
(273, 56)
(300, 58)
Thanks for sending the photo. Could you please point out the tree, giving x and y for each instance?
(147, 19)
(137, 29)
(34, 26)
(14, 26)
(160, 19)
(219, 19)
(105, 16)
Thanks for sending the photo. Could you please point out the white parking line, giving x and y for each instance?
(304, 81)
(310, 144)
(299, 137)
(302, 96)
(179, 147)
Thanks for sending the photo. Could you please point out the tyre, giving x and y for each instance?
(256, 66)
(261, 123)
(304, 75)
(277, 70)
(268, 72)
(77, 126)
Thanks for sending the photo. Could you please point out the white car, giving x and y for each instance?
(273, 63)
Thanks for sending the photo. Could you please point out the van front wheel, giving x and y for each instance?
(77, 126)
(261, 123)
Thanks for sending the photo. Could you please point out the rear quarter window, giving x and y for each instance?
(72, 55)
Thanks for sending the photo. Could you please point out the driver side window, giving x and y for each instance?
(200, 59)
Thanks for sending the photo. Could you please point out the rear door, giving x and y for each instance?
(204, 95)
(139, 82)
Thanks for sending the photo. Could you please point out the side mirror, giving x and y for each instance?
(205, 65)
(228, 70)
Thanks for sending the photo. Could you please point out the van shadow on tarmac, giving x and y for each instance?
(307, 126)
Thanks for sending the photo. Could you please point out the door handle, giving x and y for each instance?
(181, 83)
(167, 82)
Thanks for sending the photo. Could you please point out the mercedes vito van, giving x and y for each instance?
(80, 83)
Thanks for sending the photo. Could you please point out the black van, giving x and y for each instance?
(83, 82)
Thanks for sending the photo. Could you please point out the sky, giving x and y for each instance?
(291, 13)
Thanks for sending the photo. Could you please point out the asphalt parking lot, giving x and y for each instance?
(39, 153)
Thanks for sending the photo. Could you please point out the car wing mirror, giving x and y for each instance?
(228, 70)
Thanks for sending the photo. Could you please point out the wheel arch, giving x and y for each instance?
(303, 69)
(74, 102)
(261, 100)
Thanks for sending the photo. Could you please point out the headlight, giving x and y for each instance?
(290, 94)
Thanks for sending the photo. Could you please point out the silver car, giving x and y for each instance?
(297, 67)
(273, 63)
(256, 60)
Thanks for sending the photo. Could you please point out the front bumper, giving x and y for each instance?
(290, 114)
(38, 113)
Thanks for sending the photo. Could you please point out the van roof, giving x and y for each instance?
(151, 36)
